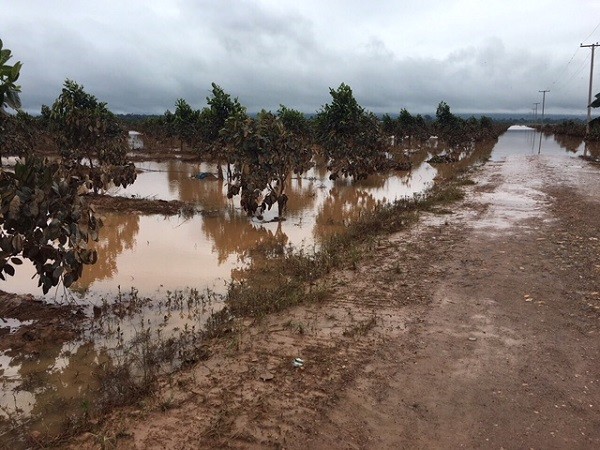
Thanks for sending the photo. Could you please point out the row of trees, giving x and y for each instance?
(260, 152)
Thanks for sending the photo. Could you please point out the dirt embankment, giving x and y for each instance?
(109, 203)
(477, 329)
(28, 324)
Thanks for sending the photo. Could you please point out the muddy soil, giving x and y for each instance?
(28, 325)
(108, 203)
(476, 329)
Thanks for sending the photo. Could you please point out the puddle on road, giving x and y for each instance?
(512, 203)
(522, 140)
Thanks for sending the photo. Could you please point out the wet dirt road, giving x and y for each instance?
(507, 352)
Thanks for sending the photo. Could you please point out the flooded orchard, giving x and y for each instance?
(159, 278)
(155, 253)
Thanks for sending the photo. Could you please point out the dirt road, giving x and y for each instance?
(476, 329)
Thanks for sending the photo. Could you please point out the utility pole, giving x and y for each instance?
(543, 103)
(589, 108)
(542, 125)
(535, 112)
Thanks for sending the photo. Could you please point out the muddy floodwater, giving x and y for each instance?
(155, 253)
(175, 267)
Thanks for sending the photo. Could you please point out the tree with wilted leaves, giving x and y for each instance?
(85, 129)
(264, 155)
(44, 213)
(351, 137)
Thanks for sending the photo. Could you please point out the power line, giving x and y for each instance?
(566, 67)
(577, 72)
(588, 36)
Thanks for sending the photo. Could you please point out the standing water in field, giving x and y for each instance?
(154, 253)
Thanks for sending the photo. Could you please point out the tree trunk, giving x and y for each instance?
(280, 197)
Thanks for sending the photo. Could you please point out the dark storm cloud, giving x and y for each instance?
(142, 56)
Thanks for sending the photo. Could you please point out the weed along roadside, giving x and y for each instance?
(274, 284)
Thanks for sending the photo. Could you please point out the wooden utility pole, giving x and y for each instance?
(535, 112)
(589, 108)
(543, 103)
(542, 125)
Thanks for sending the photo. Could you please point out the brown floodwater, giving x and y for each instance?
(155, 253)
(177, 265)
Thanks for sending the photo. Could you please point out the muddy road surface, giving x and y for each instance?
(477, 328)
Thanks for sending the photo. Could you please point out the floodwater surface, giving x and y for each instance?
(155, 253)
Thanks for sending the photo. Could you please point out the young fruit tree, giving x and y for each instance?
(44, 214)
(351, 137)
(184, 123)
(264, 155)
(212, 119)
(90, 138)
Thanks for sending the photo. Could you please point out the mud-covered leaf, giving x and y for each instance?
(9, 270)
(15, 206)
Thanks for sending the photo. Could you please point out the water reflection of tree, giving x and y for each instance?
(301, 194)
(234, 233)
(207, 193)
(343, 205)
(70, 390)
(569, 143)
(422, 155)
(62, 382)
(481, 152)
(117, 235)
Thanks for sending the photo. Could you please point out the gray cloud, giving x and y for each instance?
(142, 56)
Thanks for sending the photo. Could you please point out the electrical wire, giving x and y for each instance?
(565, 69)
(566, 81)
(589, 35)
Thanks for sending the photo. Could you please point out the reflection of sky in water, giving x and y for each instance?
(526, 141)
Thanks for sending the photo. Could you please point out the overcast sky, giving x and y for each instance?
(140, 56)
